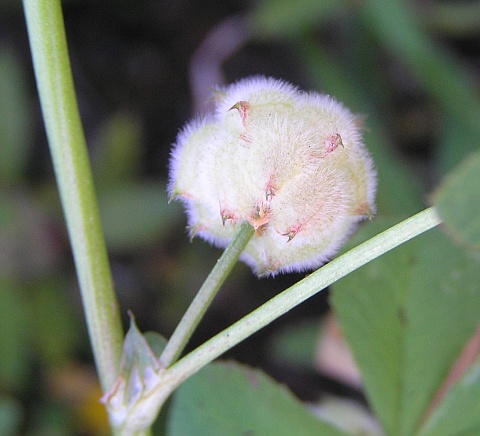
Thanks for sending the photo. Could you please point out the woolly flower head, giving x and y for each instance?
(291, 163)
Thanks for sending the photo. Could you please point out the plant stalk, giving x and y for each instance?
(205, 295)
(75, 182)
(301, 291)
(173, 376)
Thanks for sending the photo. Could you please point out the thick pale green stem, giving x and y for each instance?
(301, 291)
(72, 169)
(205, 295)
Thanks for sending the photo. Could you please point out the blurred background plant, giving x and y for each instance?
(142, 68)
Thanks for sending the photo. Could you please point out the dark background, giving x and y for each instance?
(142, 69)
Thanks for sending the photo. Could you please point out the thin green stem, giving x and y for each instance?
(301, 291)
(72, 169)
(172, 377)
(205, 295)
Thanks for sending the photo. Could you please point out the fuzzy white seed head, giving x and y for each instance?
(291, 163)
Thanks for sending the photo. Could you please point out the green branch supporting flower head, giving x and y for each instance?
(290, 163)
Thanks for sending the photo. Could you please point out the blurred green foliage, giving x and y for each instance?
(408, 66)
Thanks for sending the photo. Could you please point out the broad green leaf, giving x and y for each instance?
(442, 313)
(458, 202)
(459, 412)
(136, 215)
(369, 305)
(232, 399)
(407, 316)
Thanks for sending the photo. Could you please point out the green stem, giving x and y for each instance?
(205, 295)
(172, 377)
(72, 169)
(301, 291)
